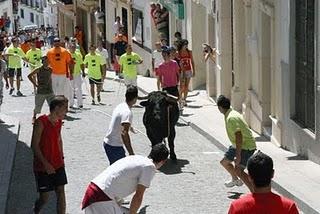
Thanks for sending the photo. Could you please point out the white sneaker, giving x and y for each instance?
(233, 183)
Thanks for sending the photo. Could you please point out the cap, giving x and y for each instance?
(56, 39)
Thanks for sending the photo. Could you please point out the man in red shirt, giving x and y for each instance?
(48, 163)
(262, 200)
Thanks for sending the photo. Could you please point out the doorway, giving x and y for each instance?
(124, 19)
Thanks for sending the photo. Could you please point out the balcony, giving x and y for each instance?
(65, 2)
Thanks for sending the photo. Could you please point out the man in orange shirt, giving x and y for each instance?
(62, 65)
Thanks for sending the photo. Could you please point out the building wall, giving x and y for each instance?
(50, 15)
(295, 138)
(26, 20)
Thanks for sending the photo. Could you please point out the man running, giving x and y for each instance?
(48, 163)
(62, 65)
(132, 174)
(118, 132)
(96, 67)
(34, 56)
(128, 66)
(76, 83)
(15, 54)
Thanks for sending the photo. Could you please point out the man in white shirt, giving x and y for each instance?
(99, 16)
(105, 55)
(157, 59)
(117, 25)
(132, 174)
(118, 132)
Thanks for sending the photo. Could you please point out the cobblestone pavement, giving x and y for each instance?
(193, 185)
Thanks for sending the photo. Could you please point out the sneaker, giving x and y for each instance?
(99, 98)
(93, 103)
(11, 91)
(80, 106)
(19, 94)
(232, 183)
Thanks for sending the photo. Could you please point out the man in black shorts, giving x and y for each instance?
(96, 67)
(15, 54)
(48, 163)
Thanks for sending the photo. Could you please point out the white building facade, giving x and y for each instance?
(31, 13)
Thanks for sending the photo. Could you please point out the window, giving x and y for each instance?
(32, 17)
(22, 13)
(305, 64)
(137, 26)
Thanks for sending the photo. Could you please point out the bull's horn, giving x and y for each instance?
(143, 98)
(173, 97)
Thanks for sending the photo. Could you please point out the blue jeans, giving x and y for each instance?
(114, 153)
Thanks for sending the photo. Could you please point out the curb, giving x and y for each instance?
(10, 136)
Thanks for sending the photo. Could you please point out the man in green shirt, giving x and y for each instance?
(76, 82)
(243, 144)
(128, 66)
(96, 65)
(14, 55)
(34, 57)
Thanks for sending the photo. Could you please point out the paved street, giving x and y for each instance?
(194, 185)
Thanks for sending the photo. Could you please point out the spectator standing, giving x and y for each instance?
(117, 25)
(129, 175)
(168, 73)
(96, 67)
(62, 65)
(76, 83)
(242, 146)
(128, 66)
(79, 35)
(157, 59)
(48, 163)
(262, 199)
(118, 132)
(7, 24)
(187, 71)
(2, 23)
(40, 77)
(15, 54)
(105, 55)
(99, 16)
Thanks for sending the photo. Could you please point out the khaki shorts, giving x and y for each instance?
(39, 100)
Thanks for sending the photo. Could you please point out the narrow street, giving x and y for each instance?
(193, 185)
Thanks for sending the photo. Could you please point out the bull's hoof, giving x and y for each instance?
(173, 156)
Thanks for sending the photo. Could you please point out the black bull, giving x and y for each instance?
(160, 117)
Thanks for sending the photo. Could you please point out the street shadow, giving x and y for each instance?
(143, 210)
(182, 124)
(175, 167)
(13, 95)
(235, 195)
(107, 91)
(261, 139)
(186, 115)
(193, 95)
(297, 157)
(22, 190)
(193, 106)
(70, 118)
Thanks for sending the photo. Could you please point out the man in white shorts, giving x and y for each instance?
(128, 66)
(132, 174)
